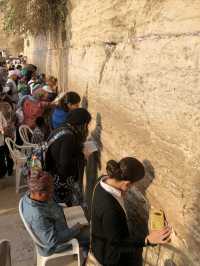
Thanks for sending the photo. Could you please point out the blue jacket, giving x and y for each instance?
(48, 223)
(59, 116)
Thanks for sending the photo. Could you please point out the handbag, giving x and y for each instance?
(91, 260)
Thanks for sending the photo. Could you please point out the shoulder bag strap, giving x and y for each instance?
(92, 205)
(57, 136)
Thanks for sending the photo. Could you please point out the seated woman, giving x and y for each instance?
(111, 242)
(59, 115)
(46, 217)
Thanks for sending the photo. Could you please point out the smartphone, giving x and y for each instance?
(157, 219)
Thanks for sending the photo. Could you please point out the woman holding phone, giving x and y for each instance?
(111, 243)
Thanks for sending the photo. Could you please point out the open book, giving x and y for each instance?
(75, 215)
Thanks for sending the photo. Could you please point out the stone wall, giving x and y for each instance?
(8, 42)
(137, 61)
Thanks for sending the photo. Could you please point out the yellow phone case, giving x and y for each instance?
(157, 219)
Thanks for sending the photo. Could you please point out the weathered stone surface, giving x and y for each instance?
(138, 62)
(13, 44)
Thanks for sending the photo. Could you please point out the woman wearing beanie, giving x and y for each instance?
(65, 159)
(111, 243)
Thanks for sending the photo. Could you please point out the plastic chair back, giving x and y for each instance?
(11, 146)
(28, 228)
(25, 133)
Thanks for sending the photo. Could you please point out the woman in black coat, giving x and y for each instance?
(65, 159)
(111, 243)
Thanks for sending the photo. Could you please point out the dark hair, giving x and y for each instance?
(40, 121)
(1, 89)
(11, 68)
(33, 75)
(129, 169)
(79, 116)
(70, 97)
(79, 120)
(19, 67)
(2, 63)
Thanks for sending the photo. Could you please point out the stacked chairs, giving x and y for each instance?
(19, 155)
(26, 134)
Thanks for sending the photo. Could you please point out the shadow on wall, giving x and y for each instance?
(138, 209)
(94, 161)
(84, 102)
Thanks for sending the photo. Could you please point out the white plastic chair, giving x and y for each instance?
(18, 154)
(5, 256)
(26, 133)
(41, 260)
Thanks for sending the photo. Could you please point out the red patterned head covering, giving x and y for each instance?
(40, 181)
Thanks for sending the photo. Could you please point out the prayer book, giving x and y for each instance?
(89, 147)
(75, 215)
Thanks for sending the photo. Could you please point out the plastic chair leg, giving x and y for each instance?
(17, 173)
(40, 260)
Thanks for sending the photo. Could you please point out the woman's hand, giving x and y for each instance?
(159, 236)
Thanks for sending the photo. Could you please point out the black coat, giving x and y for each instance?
(111, 242)
(64, 157)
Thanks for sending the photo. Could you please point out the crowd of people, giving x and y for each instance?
(63, 126)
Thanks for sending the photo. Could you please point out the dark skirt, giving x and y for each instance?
(67, 191)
